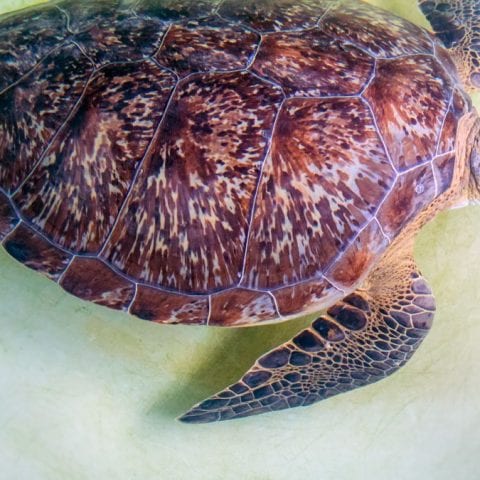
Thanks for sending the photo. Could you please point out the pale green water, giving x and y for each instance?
(87, 393)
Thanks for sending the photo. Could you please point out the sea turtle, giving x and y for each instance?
(236, 163)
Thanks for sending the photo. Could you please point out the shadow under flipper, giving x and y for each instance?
(228, 354)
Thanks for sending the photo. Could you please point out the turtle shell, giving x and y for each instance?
(218, 162)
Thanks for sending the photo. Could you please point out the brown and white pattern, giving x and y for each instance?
(122, 38)
(33, 250)
(227, 162)
(412, 122)
(275, 15)
(207, 44)
(27, 37)
(412, 192)
(232, 307)
(313, 64)
(444, 169)
(305, 297)
(326, 173)
(75, 194)
(167, 307)
(459, 105)
(92, 280)
(174, 10)
(33, 110)
(379, 32)
(184, 225)
(353, 264)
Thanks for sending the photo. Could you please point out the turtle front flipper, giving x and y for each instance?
(457, 24)
(362, 339)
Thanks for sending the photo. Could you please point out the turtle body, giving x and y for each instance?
(228, 163)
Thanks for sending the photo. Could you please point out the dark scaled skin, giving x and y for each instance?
(230, 163)
(456, 25)
(359, 341)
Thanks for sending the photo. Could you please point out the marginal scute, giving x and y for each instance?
(197, 184)
(375, 30)
(8, 217)
(410, 124)
(444, 169)
(312, 63)
(75, 194)
(207, 44)
(305, 296)
(86, 14)
(174, 10)
(160, 306)
(275, 15)
(444, 57)
(239, 307)
(412, 192)
(92, 280)
(33, 110)
(29, 248)
(356, 261)
(322, 181)
(27, 37)
(459, 106)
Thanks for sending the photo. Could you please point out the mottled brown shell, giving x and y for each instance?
(217, 162)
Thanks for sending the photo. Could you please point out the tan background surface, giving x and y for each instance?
(87, 393)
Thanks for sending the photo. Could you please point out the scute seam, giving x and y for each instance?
(138, 170)
(275, 304)
(251, 215)
(58, 131)
(379, 133)
(439, 138)
(67, 19)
